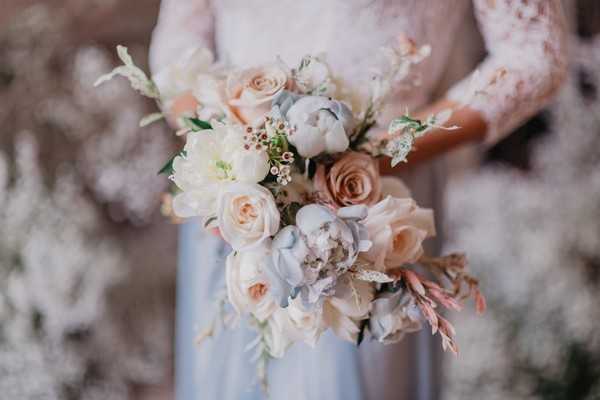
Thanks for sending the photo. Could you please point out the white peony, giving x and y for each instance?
(211, 159)
(247, 215)
(247, 286)
(319, 125)
(397, 229)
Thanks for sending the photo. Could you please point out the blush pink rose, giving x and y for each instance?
(353, 179)
(251, 91)
(397, 229)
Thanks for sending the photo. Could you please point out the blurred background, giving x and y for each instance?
(87, 263)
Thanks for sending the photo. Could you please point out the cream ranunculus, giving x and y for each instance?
(353, 179)
(397, 229)
(247, 215)
(247, 286)
(319, 125)
(251, 91)
(213, 158)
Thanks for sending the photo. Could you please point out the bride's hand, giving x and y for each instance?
(184, 104)
(215, 232)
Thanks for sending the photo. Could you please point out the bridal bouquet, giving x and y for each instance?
(282, 161)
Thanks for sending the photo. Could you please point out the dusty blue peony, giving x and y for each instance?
(308, 258)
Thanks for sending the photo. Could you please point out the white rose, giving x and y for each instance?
(392, 316)
(247, 287)
(213, 158)
(397, 228)
(180, 76)
(350, 304)
(306, 325)
(319, 125)
(251, 91)
(292, 324)
(247, 215)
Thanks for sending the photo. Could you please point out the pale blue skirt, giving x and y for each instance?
(335, 370)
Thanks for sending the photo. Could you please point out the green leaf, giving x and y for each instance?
(209, 221)
(289, 212)
(361, 333)
(168, 167)
(196, 124)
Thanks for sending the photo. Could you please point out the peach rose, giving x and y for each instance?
(353, 179)
(251, 91)
(397, 229)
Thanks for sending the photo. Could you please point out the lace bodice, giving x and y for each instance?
(525, 40)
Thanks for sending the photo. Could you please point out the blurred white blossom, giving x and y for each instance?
(86, 276)
(534, 238)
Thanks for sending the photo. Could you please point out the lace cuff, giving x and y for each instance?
(526, 42)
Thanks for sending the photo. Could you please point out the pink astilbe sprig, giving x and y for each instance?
(453, 269)
(427, 295)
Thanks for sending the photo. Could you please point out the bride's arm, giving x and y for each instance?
(181, 25)
(526, 63)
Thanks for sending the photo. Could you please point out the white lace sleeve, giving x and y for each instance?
(181, 24)
(526, 42)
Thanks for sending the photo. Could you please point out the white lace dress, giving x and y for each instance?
(525, 63)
